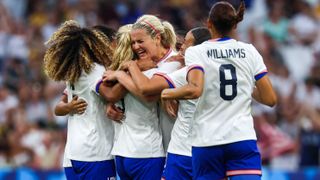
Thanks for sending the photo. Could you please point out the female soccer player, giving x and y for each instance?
(225, 74)
(178, 164)
(79, 56)
(77, 106)
(139, 149)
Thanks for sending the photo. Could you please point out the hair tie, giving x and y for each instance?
(152, 27)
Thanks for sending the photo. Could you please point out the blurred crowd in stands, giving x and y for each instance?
(286, 33)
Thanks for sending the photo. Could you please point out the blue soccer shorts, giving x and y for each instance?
(95, 170)
(139, 168)
(230, 160)
(178, 167)
(70, 174)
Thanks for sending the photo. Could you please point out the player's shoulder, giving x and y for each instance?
(195, 49)
(248, 46)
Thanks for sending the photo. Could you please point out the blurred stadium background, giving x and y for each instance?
(286, 32)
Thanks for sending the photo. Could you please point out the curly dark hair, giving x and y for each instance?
(73, 50)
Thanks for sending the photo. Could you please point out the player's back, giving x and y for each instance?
(223, 113)
(90, 135)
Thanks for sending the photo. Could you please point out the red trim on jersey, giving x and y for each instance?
(213, 40)
(167, 78)
(219, 39)
(165, 56)
(244, 171)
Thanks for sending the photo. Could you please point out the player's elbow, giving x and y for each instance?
(110, 97)
(57, 113)
(145, 90)
(194, 92)
(150, 99)
(271, 101)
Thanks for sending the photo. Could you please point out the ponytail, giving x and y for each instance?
(169, 37)
(240, 12)
(224, 17)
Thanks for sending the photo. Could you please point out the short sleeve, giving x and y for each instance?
(169, 67)
(95, 79)
(179, 77)
(193, 57)
(176, 78)
(259, 69)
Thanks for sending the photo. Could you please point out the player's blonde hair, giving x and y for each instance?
(153, 26)
(123, 52)
(72, 49)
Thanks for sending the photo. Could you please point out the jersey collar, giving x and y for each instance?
(220, 39)
(165, 56)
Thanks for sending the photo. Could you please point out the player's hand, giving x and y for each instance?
(171, 107)
(109, 76)
(114, 113)
(178, 58)
(126, 64)
(146, 64)
(78, 106)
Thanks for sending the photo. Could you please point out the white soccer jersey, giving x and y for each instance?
(90, 135)
(223, 112)
(166, 122)
(139, 134)
(66, 162)
(180, 137)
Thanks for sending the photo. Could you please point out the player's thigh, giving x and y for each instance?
(178, 167)
(121, 168)
(243, 158)
(208, 163)
(70, 173)
(145, 168)
(95, 170)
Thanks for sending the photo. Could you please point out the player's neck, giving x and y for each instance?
(161, 55)
(218, 36)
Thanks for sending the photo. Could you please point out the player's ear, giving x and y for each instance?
(158, 39)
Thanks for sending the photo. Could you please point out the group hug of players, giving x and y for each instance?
(139, 109)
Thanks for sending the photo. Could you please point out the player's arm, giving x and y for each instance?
(264, 93)
(146, 86)
(111, 93)
(192, 90)
(126, 81)
(63, 108)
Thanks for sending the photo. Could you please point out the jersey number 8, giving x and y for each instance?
(225, 82)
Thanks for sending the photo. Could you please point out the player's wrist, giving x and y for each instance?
(165, 94)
